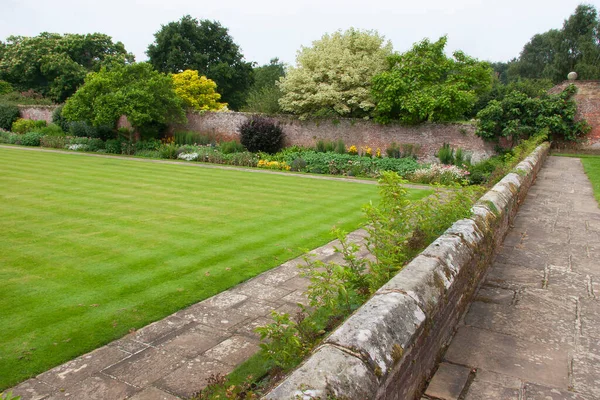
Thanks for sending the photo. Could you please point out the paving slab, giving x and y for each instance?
(448, 382)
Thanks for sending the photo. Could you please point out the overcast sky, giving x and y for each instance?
(490, 30)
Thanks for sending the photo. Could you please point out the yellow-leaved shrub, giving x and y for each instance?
(197, 92)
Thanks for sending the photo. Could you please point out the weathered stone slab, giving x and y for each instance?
(224, 300)
(248, 329)
(522, 258)
(452, 251)
(590, 318)
(97, 387)
(145, 367)
(255, 308)
(328, 372)
(33, 389)
(539, 392)
(514, 276)
(423, 279)
(153, 393)
(497, 295)
(233, 351)
(297, 283)
(381, 329)
(192, 377)
(586, 374)
(259, 291)
(553, 327)
(511, 356)
(67, 374)
(212, 317)
(448, 382)
(193, 341)
(151, 334)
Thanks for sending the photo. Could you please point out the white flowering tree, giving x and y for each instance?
(333, 77)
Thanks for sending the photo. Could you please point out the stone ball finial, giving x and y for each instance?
(572, 76)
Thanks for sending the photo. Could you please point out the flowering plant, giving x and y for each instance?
(188, 156)
(273, 165)
(438, 173)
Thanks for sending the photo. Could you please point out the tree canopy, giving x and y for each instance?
(555, 53)
(518, 116)
(55, 65)
(424, 84)
(264, 94)
(333, 76)
(143, 95)
(197, 92)
(204, 46)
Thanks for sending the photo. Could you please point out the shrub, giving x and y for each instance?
(147, 145)
(393, 151)
(59, 120)
(95, 144)
(8, 114)
(9, 137)
(519, 117)
(188, 156)
(168, 151)
(22, 125)
(191, 137)
(231, 147)
(81, 129)
(5, 87)
(113, 146)
(52, 130)
(196, 91)
(56, 142)
(446, 154)
(324, 146)
(104, 132)
(31, 139)
(298, 164)
(244, 159)
(261, 134)
(441, 174)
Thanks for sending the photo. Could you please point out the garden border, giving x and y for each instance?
(388, 348)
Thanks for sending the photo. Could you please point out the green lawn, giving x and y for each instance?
(91, 247)
(591, 165)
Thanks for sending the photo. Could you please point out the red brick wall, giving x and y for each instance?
(430, 137)
(588, 107)
(37, 113)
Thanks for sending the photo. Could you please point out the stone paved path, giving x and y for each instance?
(533, 330)
(172, 358)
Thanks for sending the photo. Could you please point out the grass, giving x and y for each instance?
(591, 166)
(93, 247)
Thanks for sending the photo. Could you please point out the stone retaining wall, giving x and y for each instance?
(388, 348)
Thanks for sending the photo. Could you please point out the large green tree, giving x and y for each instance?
(145, 96)
(55, 65)
(207, 47)
(424, 84)
(333, 77)
(518, 116)
(555, 53)
(264, 94)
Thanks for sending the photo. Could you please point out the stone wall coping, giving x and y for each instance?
(388, 335)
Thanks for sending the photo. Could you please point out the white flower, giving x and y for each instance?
(188, 156)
